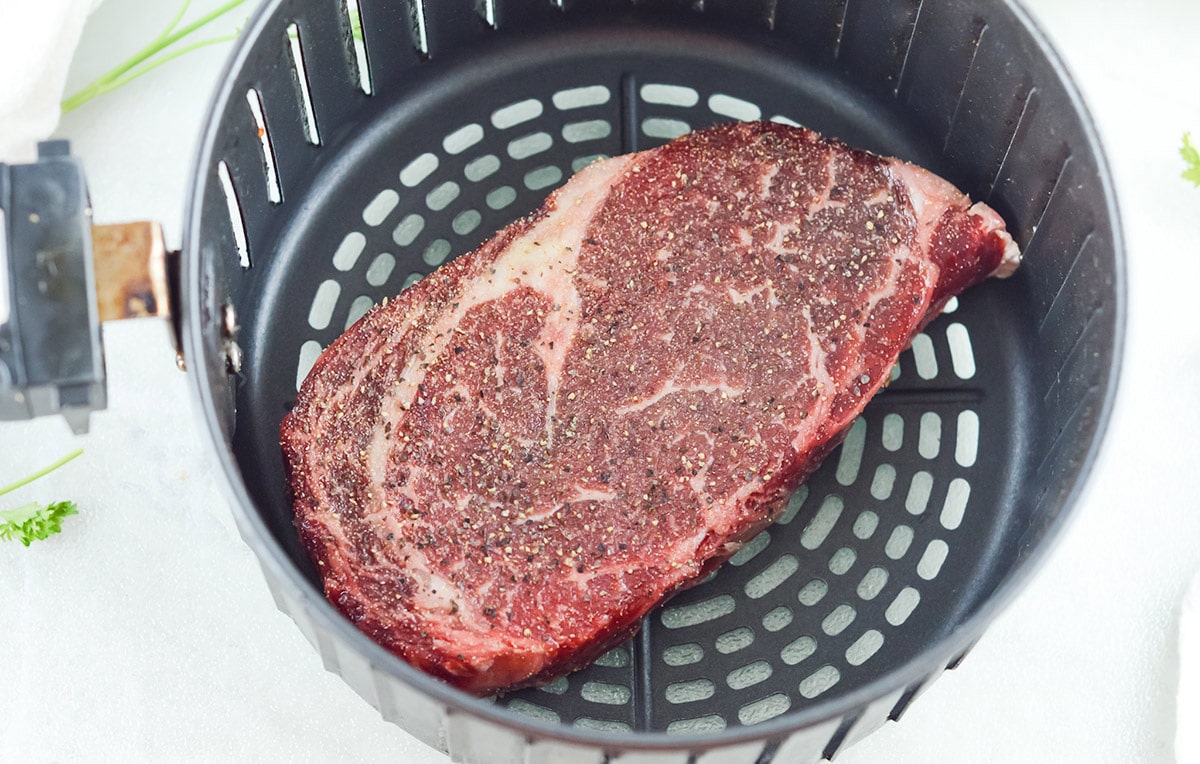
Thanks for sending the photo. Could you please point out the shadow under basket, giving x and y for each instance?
(352, 147)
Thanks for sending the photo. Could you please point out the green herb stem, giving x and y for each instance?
(175, 21)
(101, 88)
(40, 473)
(134, 74)
(116, 76)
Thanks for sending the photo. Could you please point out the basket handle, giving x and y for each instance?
(136, 275)
(60, 277)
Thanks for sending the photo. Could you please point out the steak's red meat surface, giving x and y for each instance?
(502, 470)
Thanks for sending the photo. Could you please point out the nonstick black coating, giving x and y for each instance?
(823, 617)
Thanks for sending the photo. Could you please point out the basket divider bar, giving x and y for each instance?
(642, 659)
(628, 113)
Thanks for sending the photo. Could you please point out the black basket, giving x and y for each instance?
(354, 146)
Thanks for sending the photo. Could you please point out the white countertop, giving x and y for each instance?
(145, 631)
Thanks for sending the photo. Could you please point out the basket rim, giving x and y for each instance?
(282, 572)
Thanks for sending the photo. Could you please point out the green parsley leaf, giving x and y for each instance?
(1191, 157)
(34, 522)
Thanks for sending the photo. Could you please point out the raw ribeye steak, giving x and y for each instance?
(499, 472)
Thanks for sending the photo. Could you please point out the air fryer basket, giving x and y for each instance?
(339, 165)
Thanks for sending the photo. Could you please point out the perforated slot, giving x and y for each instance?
(378, 209)
(555, 687)
(309, 352)
(750, 549)
(420, 30)
(923, 356)
(852, 452)
(681, 616)
(358, 309)
(236, 224)
(793, 506)
(772, 576)
(865, 525)
(690, 691)
(516, 113)
(436, 253)
(918, 492)
(931, 561)
(883, 481)
(578, 98)
(463, 138)
(349, 250)
(819, 682)
(323, 304)
(605, 725)
(732, 641)
(274, 192)
(407, 231)
(419, 169)
(838, 620)
(300, 80)
(591, 130)
(482, 167)
(893, 432)
(777, 619)
(864, 647)
(665, 129)
(618, 657)
(842, 560)
(903, 606)
(358, 49)
(1031, 97)
(817, 531)
(748, 675)
(501, 197)
(955, 505)
(603, 692)
(683, 655)
(841, 30)
(734, 108)
(762, 710)
(670, 95)
(966, 444)
(578, 163)
(872, 583)
(466, 221)
(962, 356)
(531, 709)
(442, 196)
(898, 542)
(813, 592)
(487, 10)
(527, 146)
(710, 723)
(797, 650)
(542, 177)
(381, 269)
(929, 437)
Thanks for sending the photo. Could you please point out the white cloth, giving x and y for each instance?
(37, 40)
